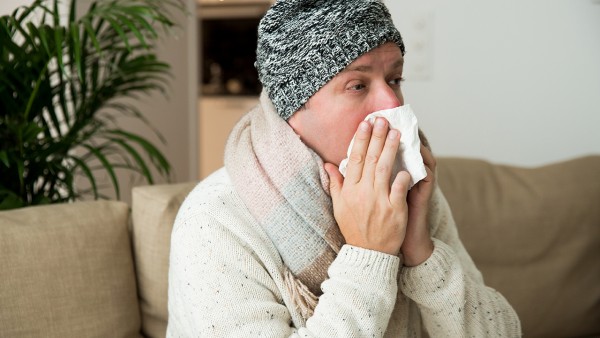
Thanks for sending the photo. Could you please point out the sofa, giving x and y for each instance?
(99, 268)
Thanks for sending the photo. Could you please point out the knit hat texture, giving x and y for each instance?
(302, 44)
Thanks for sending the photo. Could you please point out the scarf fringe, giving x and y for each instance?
(304, 300)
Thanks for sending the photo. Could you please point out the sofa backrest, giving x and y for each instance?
(533, 233)
(535, 236)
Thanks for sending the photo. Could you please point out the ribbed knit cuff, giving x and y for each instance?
(431, 279)
(372, 265)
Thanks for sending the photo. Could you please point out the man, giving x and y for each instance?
(279, 244)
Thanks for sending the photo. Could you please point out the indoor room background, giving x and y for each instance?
(514, 82)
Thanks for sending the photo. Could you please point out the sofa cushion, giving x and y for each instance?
(154, 211)
(535, 235)
(67, 271)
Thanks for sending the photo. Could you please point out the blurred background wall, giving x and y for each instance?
(515, 81)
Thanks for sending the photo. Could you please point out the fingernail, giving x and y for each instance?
(379, 123)
(364, 126)
(392, 134)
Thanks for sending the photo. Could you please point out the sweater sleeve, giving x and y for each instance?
(449, 290)
(359, 296)
(221, 285)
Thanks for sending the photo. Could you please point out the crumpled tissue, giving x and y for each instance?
(409, 152)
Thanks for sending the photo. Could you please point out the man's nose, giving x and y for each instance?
(387, 98)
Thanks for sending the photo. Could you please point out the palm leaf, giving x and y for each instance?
(106, 165)
(136, 156)
(155, 155)
(87, 172)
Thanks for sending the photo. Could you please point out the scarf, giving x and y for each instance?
(285, 187)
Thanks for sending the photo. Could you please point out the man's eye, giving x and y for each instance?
(397, 81)
(357, 87)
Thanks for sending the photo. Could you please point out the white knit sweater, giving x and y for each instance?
(225, 280)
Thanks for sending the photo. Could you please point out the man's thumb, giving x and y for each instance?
(335, 179)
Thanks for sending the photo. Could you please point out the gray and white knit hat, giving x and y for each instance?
(302, 44)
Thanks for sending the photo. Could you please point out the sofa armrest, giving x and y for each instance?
(153, 211)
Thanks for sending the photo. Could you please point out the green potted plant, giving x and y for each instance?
(64, 81)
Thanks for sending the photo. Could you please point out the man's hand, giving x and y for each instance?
(417, 246)
(370, 213)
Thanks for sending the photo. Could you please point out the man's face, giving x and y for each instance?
(331, 116)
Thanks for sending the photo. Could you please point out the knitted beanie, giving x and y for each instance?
(302, 44)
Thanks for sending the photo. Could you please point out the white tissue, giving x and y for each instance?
(409, 153)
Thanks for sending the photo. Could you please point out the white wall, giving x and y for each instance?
(515, 81)
(8, 6)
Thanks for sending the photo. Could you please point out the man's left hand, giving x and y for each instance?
(418, 246)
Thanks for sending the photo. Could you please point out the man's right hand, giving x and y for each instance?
(371, 214)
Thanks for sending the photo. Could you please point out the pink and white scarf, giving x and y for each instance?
(284, 185)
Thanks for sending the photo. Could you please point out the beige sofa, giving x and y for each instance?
(95, 269)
